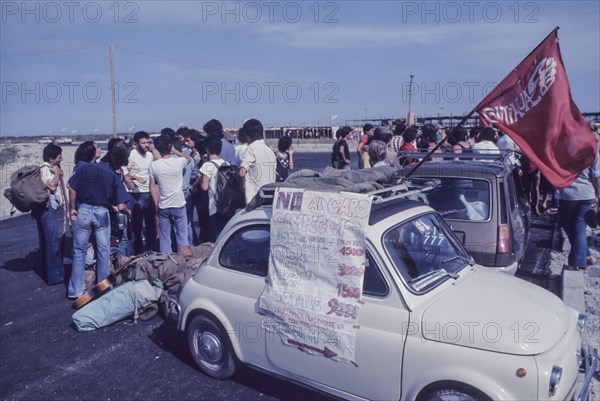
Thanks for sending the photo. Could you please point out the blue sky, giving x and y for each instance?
(184, 62)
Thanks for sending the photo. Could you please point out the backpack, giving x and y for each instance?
(27, 189)
(229, 195)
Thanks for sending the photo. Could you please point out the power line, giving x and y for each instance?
(231, 71)
(212, 68)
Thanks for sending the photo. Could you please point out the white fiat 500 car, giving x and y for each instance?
(433, 325)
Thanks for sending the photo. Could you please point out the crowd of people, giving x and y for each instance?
(385, 145)
(397, 145)
(143, 194)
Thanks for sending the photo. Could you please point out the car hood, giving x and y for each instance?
(496, 312)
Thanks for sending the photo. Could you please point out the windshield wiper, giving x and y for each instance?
(431, 276)
(469, 261)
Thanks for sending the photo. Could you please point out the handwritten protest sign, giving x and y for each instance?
(316, 269)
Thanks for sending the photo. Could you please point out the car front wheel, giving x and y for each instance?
(450, 395)
(210, 348)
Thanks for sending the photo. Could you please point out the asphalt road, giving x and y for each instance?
(43, 357)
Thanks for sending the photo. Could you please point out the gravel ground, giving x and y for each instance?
(592, 296)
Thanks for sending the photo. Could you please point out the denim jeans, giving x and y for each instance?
(143, 213)
(90, 219)
(123, 247)
(49, 244)
(189, 211)
(571, 217)
(172, 217)
(218, 221)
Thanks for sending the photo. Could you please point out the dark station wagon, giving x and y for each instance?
(484, 203)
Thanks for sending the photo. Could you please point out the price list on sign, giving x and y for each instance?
(316, 268)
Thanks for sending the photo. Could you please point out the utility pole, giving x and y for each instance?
(409, 117)
(112, 90)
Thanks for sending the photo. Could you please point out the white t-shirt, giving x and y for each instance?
(260, 164)
(486, 148)
(505, 142)
(138, 165)
(239, 152)
(168, 174)
(210, 170)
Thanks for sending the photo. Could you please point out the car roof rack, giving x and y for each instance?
(502, 156)
(379, 195)
(400, 191)
(396, 188)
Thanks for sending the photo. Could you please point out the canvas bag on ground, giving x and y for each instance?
(118, 304)
(27, 189)
(229, 195)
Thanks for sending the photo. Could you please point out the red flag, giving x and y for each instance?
(533, 105)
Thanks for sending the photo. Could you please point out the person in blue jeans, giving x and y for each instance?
(575, 201)
(138, 182)
(93, 190)
(166, 180)
(46, 215)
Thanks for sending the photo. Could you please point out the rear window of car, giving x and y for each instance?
(465, 199)
(248, 250)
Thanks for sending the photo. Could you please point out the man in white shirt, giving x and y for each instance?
(259, 164)
(486, 143)
(144, 211)
(46, 216)
(166, 181)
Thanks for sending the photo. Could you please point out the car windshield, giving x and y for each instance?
(425, 252)
(460, 198)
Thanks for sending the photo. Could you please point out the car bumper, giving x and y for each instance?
(589, 366)
(174, 311)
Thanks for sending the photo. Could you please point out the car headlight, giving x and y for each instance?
(555, 377)
(581, 322)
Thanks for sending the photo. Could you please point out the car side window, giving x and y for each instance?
(248, 250)
(374, 284)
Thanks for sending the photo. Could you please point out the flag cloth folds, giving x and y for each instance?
(533, 105)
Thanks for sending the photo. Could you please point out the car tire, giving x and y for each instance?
(448, 394)
(211, 349)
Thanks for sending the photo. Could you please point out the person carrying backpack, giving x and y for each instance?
(46, 216)
(225, 194)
